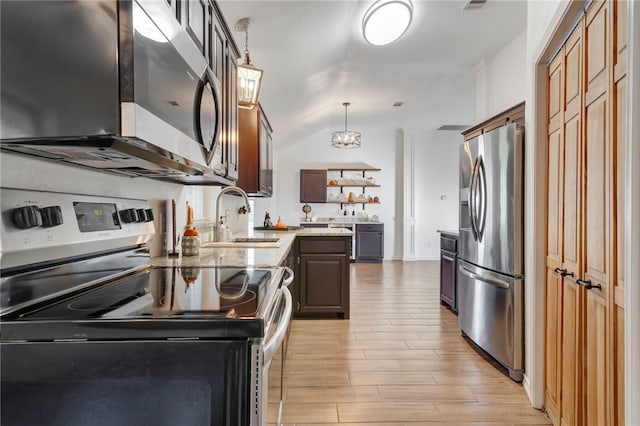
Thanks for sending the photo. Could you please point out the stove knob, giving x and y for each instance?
(128, 215)
(27, 217)
(149, 213)
(51, 216)
(142, 216)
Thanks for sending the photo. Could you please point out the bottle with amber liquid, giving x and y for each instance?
(190, 237)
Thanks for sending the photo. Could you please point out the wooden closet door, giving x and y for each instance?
(619, 102)
(572, 255)
(597, 216)
(553, 282)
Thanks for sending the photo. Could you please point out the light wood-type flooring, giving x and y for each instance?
(399, 360)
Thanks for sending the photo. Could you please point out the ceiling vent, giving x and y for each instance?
(454, 127)
(474, 4)
(397, 104)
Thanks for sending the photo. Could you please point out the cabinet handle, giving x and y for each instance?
(563, 272)
(587, 284)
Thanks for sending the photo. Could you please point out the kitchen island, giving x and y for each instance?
(319, 258)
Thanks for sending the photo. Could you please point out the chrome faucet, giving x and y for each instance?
(225, 190)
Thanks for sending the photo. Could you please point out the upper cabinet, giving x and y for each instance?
(514, 114)
(221, 57)
(313, 186)
(255, 152)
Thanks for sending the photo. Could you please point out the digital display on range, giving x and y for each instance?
(96, 216)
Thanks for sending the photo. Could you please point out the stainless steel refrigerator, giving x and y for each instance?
(490, 248)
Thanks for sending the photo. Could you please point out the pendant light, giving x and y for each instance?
(386, 21)
(249, 77)
(345, 138)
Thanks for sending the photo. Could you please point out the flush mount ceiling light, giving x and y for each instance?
(386, 21)
(345, 138)
(249, 77)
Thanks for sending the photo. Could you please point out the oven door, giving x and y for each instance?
(160, 383)
(270, 400)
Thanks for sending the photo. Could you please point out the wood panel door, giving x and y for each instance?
(555, 210)
(619, 122)
(596, 235)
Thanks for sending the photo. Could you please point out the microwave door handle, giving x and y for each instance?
(272, 345)
(482, 180)
(472, 203)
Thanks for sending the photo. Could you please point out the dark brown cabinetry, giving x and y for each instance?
(369, 243)
(255, 152)
(448, 269)
(514, 114)
(323, 276)
(221, 57)
(313, 186)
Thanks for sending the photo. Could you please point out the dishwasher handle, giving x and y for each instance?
(274, 342)
(493, 281)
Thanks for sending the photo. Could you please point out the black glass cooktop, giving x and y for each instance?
(168, 293)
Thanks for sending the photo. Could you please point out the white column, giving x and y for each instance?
(408, 197)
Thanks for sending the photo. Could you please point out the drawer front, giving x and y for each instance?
(449, 244)
(324, 245)
(379, 227)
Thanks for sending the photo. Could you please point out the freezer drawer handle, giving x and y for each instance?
(563, 272)
(492, 281)
(587, 284)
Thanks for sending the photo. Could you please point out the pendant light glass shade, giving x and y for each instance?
(345, 138)
(386, 21)
(249, 77)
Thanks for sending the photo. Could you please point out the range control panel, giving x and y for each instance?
(36, 220)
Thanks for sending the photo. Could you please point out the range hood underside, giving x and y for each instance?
(119, 156)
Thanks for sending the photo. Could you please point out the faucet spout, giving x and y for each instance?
(217, 234)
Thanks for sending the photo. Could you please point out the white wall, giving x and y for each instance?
(436, 181)
(379, 149)
(501, 79)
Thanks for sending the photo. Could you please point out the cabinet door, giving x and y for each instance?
(266, 154)
(323, 283)
(596, 230)
(448, 278)
(555, 209)
(369, 246)
(232, 114)
(313, 186)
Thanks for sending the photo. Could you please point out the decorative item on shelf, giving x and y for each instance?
(351, 199)
(267, 221)
(386, 21)
(306, 209)
(249, 77)
(333, 182)
(370, 180)
(345, 138)
(376, 199)
(190, 237)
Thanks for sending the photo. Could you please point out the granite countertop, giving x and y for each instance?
(347, 220)
(242, 256)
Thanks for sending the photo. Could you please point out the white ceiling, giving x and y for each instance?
(315, 58)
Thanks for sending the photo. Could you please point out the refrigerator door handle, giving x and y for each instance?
(493, 281)
(472, 201)
(482, 179)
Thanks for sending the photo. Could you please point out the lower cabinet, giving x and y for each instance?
(449, 270)
(322, 285)
(369, 243)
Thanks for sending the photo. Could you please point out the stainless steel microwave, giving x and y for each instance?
(120, 86)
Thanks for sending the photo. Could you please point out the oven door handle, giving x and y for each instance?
(274, 342)
(287, 281)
